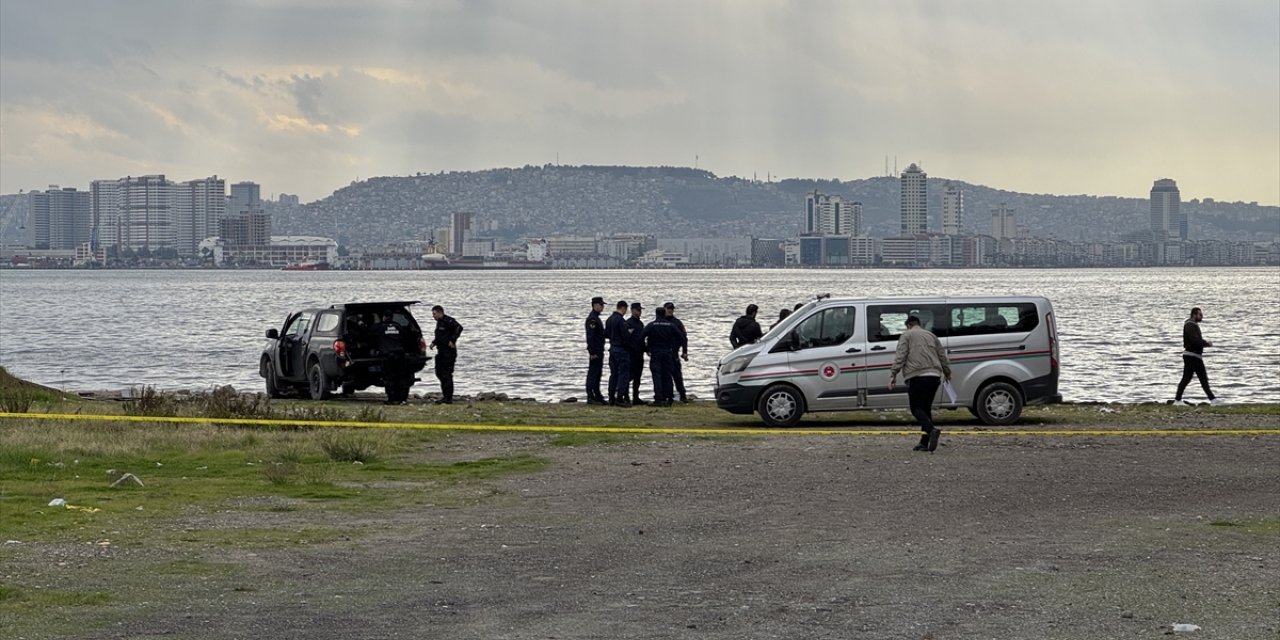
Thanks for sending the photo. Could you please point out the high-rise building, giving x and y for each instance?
(199, 205)
(830, 215)
(459, 230)
(60, 218)
(1004, 223)
(244, 196)
(1167, 219)
(914, 201)
(134, 212)
(952, 209)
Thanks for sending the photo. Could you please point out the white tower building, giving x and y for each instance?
(914, 201)
(952, 209)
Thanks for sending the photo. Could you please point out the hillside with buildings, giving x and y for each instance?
(681, 202)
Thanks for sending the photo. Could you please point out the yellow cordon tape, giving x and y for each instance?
(640, 430)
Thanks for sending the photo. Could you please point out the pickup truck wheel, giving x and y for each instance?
(318, 383)
(273, 386)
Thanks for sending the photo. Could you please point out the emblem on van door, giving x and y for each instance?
(829, 371)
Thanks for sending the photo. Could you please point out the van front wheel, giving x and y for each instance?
(999, 403)
(781, 406)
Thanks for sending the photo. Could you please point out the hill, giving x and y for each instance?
(683, 202)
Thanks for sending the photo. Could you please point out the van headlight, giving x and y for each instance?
(734, 365)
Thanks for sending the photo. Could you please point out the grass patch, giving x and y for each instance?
(1266, 526)
(15, 598)
(349, 447)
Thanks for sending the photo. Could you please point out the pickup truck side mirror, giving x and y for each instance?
(272, 334)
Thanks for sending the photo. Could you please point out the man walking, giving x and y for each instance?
(595, 351)
(661, 341)
(446, 345)
(1193, 345)
(677, 372)
(635, 349)
(619, 358)
(745, 329)
(923, 364)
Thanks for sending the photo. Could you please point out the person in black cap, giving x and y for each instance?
(619, 358)
(635, 349)
(677, 371)
(595, 351)
(661, 338)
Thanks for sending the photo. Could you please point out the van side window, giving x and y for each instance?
(886, 322)
(980, 320)
(826, 328)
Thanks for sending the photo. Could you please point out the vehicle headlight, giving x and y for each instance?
(734, 365)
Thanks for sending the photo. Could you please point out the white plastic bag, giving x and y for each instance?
(950, 391)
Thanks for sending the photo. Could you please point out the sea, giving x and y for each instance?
(1120, 329)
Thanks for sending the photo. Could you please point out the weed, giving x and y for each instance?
(371, 414)
(280, 472)
(16, 401)
(349, 447)
(152, 403)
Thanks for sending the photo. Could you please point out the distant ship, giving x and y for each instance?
(307, 264)
(437, 261)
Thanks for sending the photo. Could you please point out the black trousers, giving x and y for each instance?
(619, 373)
(677, 374)
(920, 393)
(660, 366)
(637, 370)
(445, 360)
(595, 368)
(1193, 366)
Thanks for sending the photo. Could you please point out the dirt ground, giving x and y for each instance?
(779, 537)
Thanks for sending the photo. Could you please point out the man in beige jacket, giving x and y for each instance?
(923, 364)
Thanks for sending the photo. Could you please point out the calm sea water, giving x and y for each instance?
(1120, 328)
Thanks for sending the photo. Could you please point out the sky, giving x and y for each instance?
(1041, 96)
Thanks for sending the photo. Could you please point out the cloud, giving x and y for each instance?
(304, 96)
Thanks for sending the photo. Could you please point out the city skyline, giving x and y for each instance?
(1065, 98)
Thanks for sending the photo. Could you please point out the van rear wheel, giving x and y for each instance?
(999, 403)
(780, 406)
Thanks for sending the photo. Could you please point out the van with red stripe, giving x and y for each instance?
(834, 354)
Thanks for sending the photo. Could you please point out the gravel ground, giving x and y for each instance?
(784, 537)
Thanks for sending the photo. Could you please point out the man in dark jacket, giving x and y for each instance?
(1193, 345)
(745, 329)
(446, 345)
(661, 338)
(389, 338)
(595, 351)
(619, 358)
(677, 372)
(635, 349)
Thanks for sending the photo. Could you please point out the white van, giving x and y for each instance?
(834, 354)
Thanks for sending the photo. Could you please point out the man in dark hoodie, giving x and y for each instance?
(1193, 345)
(745, 329)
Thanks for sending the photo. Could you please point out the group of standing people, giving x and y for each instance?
(663, 339)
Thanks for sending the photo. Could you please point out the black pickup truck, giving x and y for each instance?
(345, 346)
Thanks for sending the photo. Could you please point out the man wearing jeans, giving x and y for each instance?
(923, 364)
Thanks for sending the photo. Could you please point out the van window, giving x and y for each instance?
(977, 320)
(886, 322)
(826, 328)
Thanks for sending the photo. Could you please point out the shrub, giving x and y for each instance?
(16, 401)
(349, 447)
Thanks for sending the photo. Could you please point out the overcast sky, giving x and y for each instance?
(1077, 96)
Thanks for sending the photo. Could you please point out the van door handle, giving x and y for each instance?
(853, 350)
(877, 348)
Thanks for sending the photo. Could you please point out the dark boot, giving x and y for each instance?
(924, 443)
(933, 439)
